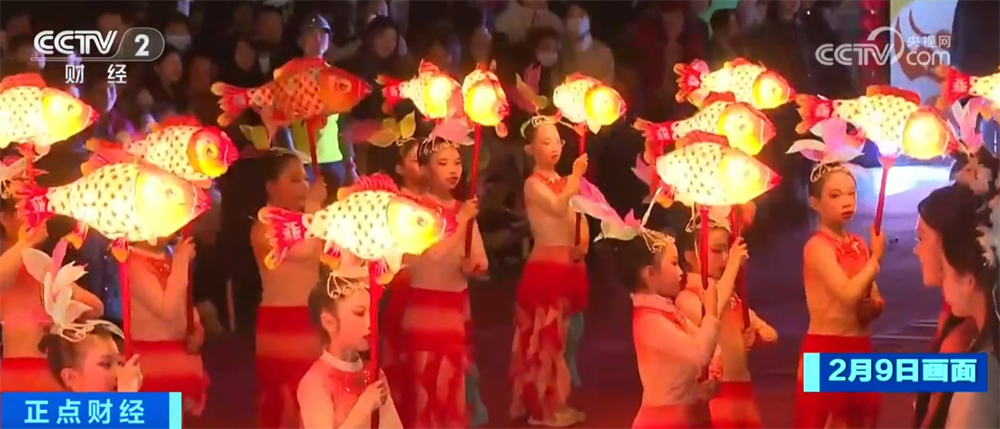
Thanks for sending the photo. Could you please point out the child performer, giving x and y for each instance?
(553, 286)
(672, 352)
(21, 310)
(81, 356)
(437, 322)
(286, 340)
(338, 391)
(159, 285)
(841, 296)
(733, 406)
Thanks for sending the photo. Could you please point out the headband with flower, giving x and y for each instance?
(57, 293)
(338, 286)
(526, 97)
(837, 148)
(718, 217)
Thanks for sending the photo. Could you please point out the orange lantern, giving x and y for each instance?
(749, 83)
(485, 100)
(745, 127)
(586, 101)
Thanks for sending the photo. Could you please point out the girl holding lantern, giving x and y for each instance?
(162, 333)
(841, 295)
(430, 391)
(553, 286)
(21, 308)
(338, 391)
(733, 406)
(286, 340)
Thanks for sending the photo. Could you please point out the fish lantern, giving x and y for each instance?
(485, 100)
(124, 202)
(749, 83)
(745, 127)
(432, 92)
(956, 85)
(705, 170)
(371, 221)
(586, 101)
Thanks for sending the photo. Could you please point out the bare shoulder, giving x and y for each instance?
(817, 246)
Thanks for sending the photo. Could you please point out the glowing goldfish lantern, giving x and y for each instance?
(123, 202)
(302, 89)
(180, 146)
(432, 91)
(485, 100)
(705, 170)
(585, 100)
(38, 115)
(956, 85)
(370, 221)
(890, 117)
(745, 127)
(750, 83)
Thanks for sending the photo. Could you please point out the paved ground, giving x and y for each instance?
(611, 390)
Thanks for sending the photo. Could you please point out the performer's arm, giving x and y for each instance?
(690, 306)
(756, 323)
(537, 194)
(661, 335)
(316, 405)
(822, 260)
(11, 263)
(388, 417)
(84, 297)
(727, 284)
(160, 301)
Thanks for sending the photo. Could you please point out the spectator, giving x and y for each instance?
(477, 50)
(524, 15)
(201, 102)
(21, 55)
(112, 20)
(369, 10)
(269, 27)
(782, 28)
(242, 16)
(695, 28)
(161, 91)
(661, 40)
(832, 80)
(750, 14)
(544, 45)
(444, 51)
(586, 55)
(177, 31)
(722, 46)
(18, 24)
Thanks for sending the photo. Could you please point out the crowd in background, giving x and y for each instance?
(631, 45)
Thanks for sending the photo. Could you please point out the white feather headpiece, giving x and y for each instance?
(963, 123)
(718, 217)
(833, 153)
(57, 293)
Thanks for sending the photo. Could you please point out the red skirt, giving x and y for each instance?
(734, 406)
(391, 319)
(692, 416)
(287, 345)
(428, 381)
(168, 367)
(27, 374)
(548, 294)
(855, 410)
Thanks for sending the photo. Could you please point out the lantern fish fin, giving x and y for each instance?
(180, 120)
(379, 269)
(736, 62)
(813, 110)
(689, 78)
(77, 235)
(233, 100)
(297, 65)
(702, 137)
(332, 255)
(23, 79)
(716, 97)
(593, 126)
(501, 130)
(34, 206)
(285, 230)
(907, 95)
(120, 249)
(392, 91)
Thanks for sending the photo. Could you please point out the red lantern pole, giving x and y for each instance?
(887, 163)
(579, 217)
(375, 291)
(126, 292)
(736, 220)
(473, 179)
(703, 246)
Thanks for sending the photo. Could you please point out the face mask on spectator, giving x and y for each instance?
(578, 26)
(547, 59)
(181, 42)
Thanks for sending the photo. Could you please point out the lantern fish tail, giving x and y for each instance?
(34, 206)
(233, 100)
(689, 78)
(813, 110)
(392, 92)
(285, 230)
